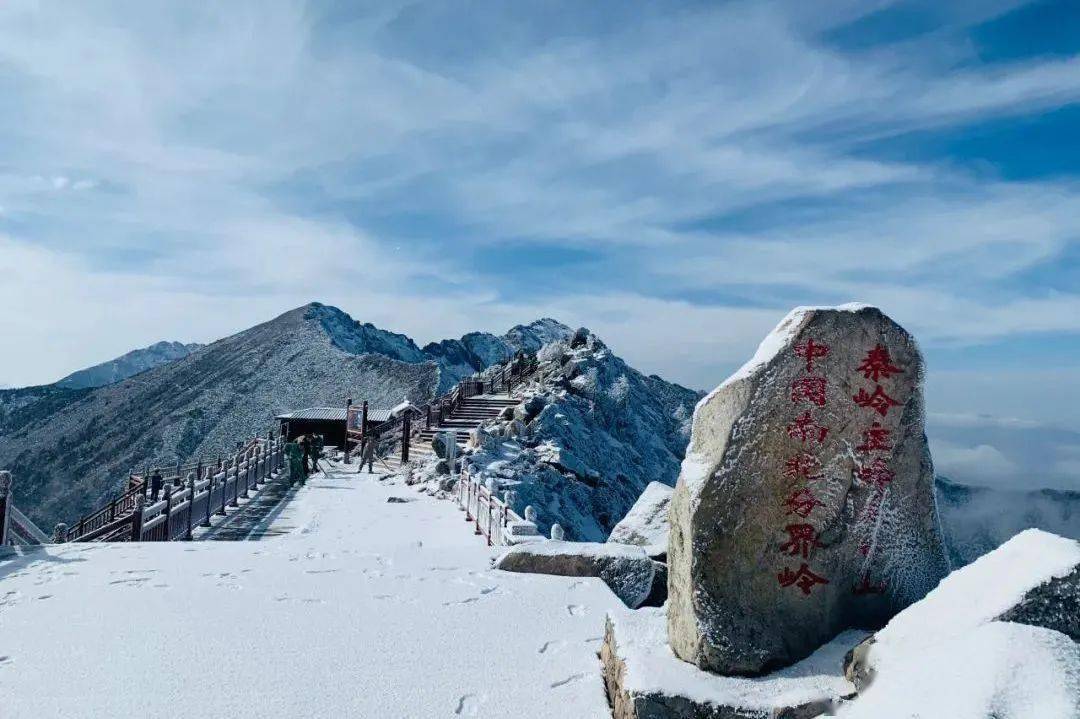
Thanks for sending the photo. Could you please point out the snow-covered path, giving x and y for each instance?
(365, 609)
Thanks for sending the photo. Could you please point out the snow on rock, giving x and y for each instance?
(806, 502)
(646, 524)
(627, 570)
(592, 435)
(646, 680)
(970, 649)
(999, 670)
(363, 338)
(478, 351)
(362, 608)
(984, 590)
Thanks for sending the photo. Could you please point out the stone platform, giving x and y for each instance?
(646, 681)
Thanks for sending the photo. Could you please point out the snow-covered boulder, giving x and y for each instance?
(628, 571)
(805, 505)
(646, 681)
(646, 524)
(987, 642)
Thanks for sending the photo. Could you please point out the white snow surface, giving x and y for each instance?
(651, 667)
(947, 656)
(363, 608)
(646, 524)
(779, 338)
(983, 590)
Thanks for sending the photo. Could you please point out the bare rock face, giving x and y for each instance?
(628, 571)
(806, 501)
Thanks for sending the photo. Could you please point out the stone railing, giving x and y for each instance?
(492, 516)
(183, 502)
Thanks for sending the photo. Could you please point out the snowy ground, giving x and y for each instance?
(359, 608)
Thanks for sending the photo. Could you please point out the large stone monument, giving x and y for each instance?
(806, 502)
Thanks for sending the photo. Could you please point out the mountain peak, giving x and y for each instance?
(359, 338)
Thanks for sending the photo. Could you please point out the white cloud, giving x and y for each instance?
(235, 160)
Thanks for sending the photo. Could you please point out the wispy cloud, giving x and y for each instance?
(179, 170)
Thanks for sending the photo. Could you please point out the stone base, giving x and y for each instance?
(646, 681)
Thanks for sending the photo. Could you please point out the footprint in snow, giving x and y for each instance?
(469, 705)
(575, 610)
(564, 682)
(552, 644)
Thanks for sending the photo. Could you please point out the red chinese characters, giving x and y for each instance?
(809, 389)
(804, 579)
(877, 437)
(806, 430)
(810, 351)
(872, 469)
(802, 502)
(878, 365)
(801, 465)
(877, 400)
(875, 473)
(802, 538)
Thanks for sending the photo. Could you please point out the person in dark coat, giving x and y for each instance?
(305, 445)
(296, 463)
(317, 445)
(156, 483)
(367, 454)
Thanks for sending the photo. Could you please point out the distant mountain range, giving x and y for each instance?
(72, 443)
(976, 520)
(128, 365)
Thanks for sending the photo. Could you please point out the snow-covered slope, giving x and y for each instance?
(950, 656)
(127, 365)
(976, 520)
(68, 455)
(592, 436)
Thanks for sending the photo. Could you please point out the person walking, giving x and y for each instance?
(156, 483)
(296, 462)
(367, 455)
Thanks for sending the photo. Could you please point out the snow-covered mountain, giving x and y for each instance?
(127, 365)
(588, 440)
(70, 448)
(71, 444)
(479, 350)
(977, 520)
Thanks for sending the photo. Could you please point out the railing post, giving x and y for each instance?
(209, 495)
(348, 413)
(405, 432)
(137, 518)
(7, 499)
(190, 506)
(168, 512)
(224, 484)
(235, 501)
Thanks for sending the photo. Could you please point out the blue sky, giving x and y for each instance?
(674, 176)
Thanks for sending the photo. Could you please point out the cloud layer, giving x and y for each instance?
(676, 179)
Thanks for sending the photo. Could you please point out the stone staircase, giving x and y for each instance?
(466, 416)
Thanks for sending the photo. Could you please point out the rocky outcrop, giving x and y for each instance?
(646, 524)
(645, 681)
(626, 570)
(587, 439)
(805, 505)
(995, 638)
